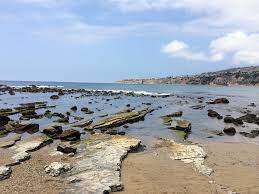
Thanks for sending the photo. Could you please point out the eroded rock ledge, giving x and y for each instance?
(98, 169)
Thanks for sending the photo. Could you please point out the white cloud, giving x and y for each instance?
(180, 49)
(240, 47)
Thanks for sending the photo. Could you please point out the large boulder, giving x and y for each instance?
(70, 135)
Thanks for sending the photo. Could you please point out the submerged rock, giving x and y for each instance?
(250, 118)
(119, 119)
(99, 168)
(54, 97)
(57, 168)
(74, 108)
(237, 121)
(5, 172)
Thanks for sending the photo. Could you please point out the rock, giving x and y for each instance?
(62, 120)
(86, 110)
(252, 134)
(121, 133)
(166, 120)
(198, 107)
(84, 123)
(57, 168)
(119, 119)
(252, 104)
(74, 108)
(112, 132)
(21, 157)
(219, 101)
(5, 172)
(99, 168)
(175, 114)
(11, 92)
(54, 97)
(10, 142)
(78, 118)
(128, 105)
(237, 121)
(66, 148)
(70, 135)
(212, 113)
(250, 118)
(181, 125)
(53, 131)
(4, 120)
(30, 128)
(33, 143)
(230, 131)
(193, 154)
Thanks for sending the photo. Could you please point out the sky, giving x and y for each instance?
(109, 40)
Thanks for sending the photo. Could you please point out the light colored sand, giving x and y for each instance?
(236, 169)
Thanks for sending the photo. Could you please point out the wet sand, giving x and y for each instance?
(235, 169)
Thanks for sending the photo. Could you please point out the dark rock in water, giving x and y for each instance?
(125, 126)
(62, 120)
(68, 113)
(230, 131)
(214, 114)
(175, 114)
(84, 123)
(112, 132)
(121, 133)
(219, 101)
(197, 107)
(252, 134)
(4, 120)
(128, 105)
(54, 97)
(60, 115)
(250, 118)
(70, 135)
(86, 110)
(11, 92)
(53, 131)
(66, 148)
(252, 104)
(237, 121)
(61, 93)
(74, 108)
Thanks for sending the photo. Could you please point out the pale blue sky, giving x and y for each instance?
(108, 40)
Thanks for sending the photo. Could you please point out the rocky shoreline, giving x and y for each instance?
(84, 145)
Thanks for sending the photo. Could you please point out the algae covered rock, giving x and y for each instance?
(119, 119)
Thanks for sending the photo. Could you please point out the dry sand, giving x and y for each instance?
(236, 168)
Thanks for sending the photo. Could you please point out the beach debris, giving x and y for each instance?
(5, 172)
(190, 154)
(99, 168)
(57, 168)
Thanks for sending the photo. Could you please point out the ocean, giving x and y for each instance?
(185, 96)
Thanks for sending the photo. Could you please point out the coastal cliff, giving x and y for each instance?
(248, 76)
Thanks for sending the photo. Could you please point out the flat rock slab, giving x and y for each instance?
(119, 119)
(98, 170)
(10, 142)
(193, 154)
(32, 144)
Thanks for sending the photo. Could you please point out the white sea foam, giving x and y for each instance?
(135, 92)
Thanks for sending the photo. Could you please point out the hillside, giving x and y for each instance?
(235, 76)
